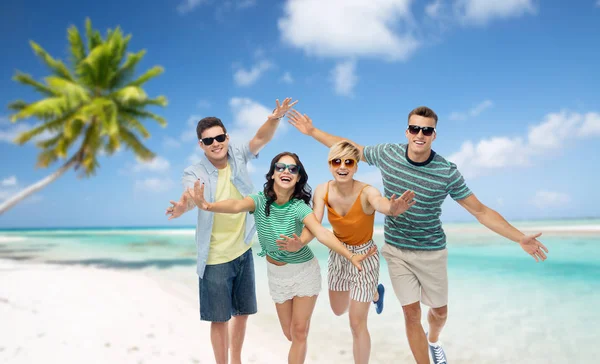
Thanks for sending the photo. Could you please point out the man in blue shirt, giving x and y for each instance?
(225, 265)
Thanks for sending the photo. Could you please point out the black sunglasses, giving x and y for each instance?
(208, 141)
(292, 168)
(427, 130)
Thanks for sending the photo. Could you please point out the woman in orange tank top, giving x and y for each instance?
(351, 206)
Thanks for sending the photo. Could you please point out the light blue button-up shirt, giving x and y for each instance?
(207, 173)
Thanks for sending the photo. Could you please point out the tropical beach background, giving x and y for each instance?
(91, 270)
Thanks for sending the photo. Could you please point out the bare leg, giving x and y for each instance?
(301, 314)
(415, 334)
(220, 341)
(284, 312)
(437, 320)
(339, 301)
(359, 312)
(236, 339)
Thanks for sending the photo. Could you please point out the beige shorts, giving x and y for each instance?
(344, 276)
(418, 275)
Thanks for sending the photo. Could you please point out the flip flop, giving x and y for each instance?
(379, 302)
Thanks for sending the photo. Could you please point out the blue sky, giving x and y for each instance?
(514, 82)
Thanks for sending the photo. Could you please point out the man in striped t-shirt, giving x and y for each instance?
(415, 248)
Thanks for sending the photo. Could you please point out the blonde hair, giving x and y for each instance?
(344, 150)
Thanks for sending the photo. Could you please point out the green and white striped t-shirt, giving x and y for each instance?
(420, 226)
(285, 219)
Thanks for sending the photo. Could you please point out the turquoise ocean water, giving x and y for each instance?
(540, 310)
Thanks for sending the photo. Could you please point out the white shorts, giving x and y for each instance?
(294, 280)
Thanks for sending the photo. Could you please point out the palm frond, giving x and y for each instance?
(17, 105)
(28, 80)
(151, 73)
(137, 113)
(131, 123)
(46, 158)
(93, 36)
(133, 143)
(69, 89)
(57, 67)
(74, 130)
(48, 143)
(44, 109)
(78, 52)
(125, 73)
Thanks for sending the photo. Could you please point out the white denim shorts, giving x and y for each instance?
(294, 280)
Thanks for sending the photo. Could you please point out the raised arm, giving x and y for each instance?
(267, 130)
(328, 239)
(495, 222)
(392, 207)
(225, 206)
(304, 124)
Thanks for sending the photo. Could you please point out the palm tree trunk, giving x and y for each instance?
(38, 185)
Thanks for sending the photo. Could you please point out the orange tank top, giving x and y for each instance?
(356, 227)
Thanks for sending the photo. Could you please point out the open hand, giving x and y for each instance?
(289, 244)
(178, 208)
(401, 204)
(197, 195)
(301, 122)
(533, 247)
(358, 258)
(282, 109)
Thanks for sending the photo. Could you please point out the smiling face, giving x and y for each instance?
(420, 144)
(343, 168)
(216, 151)
(284, 179)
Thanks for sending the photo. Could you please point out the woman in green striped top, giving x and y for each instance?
(282, 209)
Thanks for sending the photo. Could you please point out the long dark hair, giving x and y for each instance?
(302, 190)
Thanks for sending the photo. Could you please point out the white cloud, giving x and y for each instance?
(503, 152)
(203, 104)
(169, 142)
(434, 9)
(481, 12)
(344, 77)
(545, 199)
(158, 164)
(591, 124)
(187, 6)
(329, 28)
(598, 4)
(248, 116)
(8, 134)
(243, 4)
(189, 134)
(243, 77)
(473, 112)
(154, 184)
(287, 78)
(9, 182)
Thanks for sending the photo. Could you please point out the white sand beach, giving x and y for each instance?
(89, 311)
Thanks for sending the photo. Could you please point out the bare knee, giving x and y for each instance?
(299, 331)
(440, 313)
(412, 313)
(358, 325)
(338, 311)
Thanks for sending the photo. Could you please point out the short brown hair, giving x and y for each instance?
(425, 112)
(207, 123)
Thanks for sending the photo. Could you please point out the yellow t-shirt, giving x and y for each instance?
(227, 237)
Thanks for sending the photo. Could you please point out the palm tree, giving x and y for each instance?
(95, 106)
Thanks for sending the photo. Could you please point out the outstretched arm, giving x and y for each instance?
(180, 207)
(304, 124)
(226, 206)
(392, 207)
(328, 239)
(495, 222)
(267, 130)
